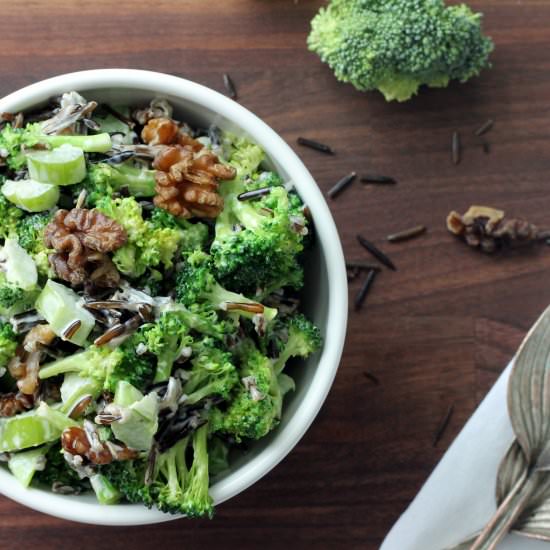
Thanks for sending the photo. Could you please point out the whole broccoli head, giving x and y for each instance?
(105, 365)
(395, 46)
(195, 284)
(148, 246)
(8, 343)
(257, 242)
(256, 407)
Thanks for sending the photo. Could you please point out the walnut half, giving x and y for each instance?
(81, 238)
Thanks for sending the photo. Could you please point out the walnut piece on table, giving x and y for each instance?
(489, 230)
(81, 239)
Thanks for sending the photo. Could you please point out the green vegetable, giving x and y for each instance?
(212, 373)
(62, 166)
(32, 428)
(56, 471)
(105, 179)
(8, 343)
(96, 143)
(167, 339)
(395, 46)
(296, 337)
(75, 387)
(60, 306)
(15, 300)
(139, 423)
(106, 366)
(19, 267)
(10, 216)
(148, 246)
(257, 243)
(126, 394)
(30, 234)
(195, 283)
(24, 465)
(129, 478)
(256, 407)
(104, 490)
(30, 195)
(218, 453)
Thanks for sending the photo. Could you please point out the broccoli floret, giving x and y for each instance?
(148, 246)
(168, 338)
(218, 453)
(195, 283)
(10, 216)
(212, 373)
(395, 46)
(257, 242)
(8, 343)
(297, 337)
(129, 478)
(105, 365)
(256, 408)
(30, 235)
(57, 471)
(15, 300)
(193, 236)
(105, 179)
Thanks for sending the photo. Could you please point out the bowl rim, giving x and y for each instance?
(285, 439)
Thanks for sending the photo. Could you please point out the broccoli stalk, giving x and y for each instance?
(105, 365)
(196, 284)
(395, 46)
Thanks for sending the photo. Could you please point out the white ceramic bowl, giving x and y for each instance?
(325, 295)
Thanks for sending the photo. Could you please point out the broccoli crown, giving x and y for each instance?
(30, 234)
(107, 366)
(104, 179)
(257, 242)
(296, 336)
(10, 216)
(148, 246)
(395, 46)
(256, 407)
(172, 475)
(13, 139)
(167, 339)
(212, 372)
(193, 236)
(14, 300)
(56, 471)
(129, 478)
(195, 284)
(8, 343)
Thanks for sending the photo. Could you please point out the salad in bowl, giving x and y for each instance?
(149, 300)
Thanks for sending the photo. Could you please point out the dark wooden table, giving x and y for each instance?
(437, 332)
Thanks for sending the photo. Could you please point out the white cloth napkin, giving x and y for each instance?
(459, 497)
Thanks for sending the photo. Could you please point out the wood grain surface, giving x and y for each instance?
(436, 332)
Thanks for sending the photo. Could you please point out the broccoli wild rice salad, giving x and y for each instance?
(149, 279)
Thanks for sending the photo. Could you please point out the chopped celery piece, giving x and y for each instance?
(97, 143)
(75, 387)
(139, 423)
(104, 490)
(30, 195)
(64, 165)
(19, 267)
(24, 464)
(30, 429)
(59, 305)
(126, 394)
